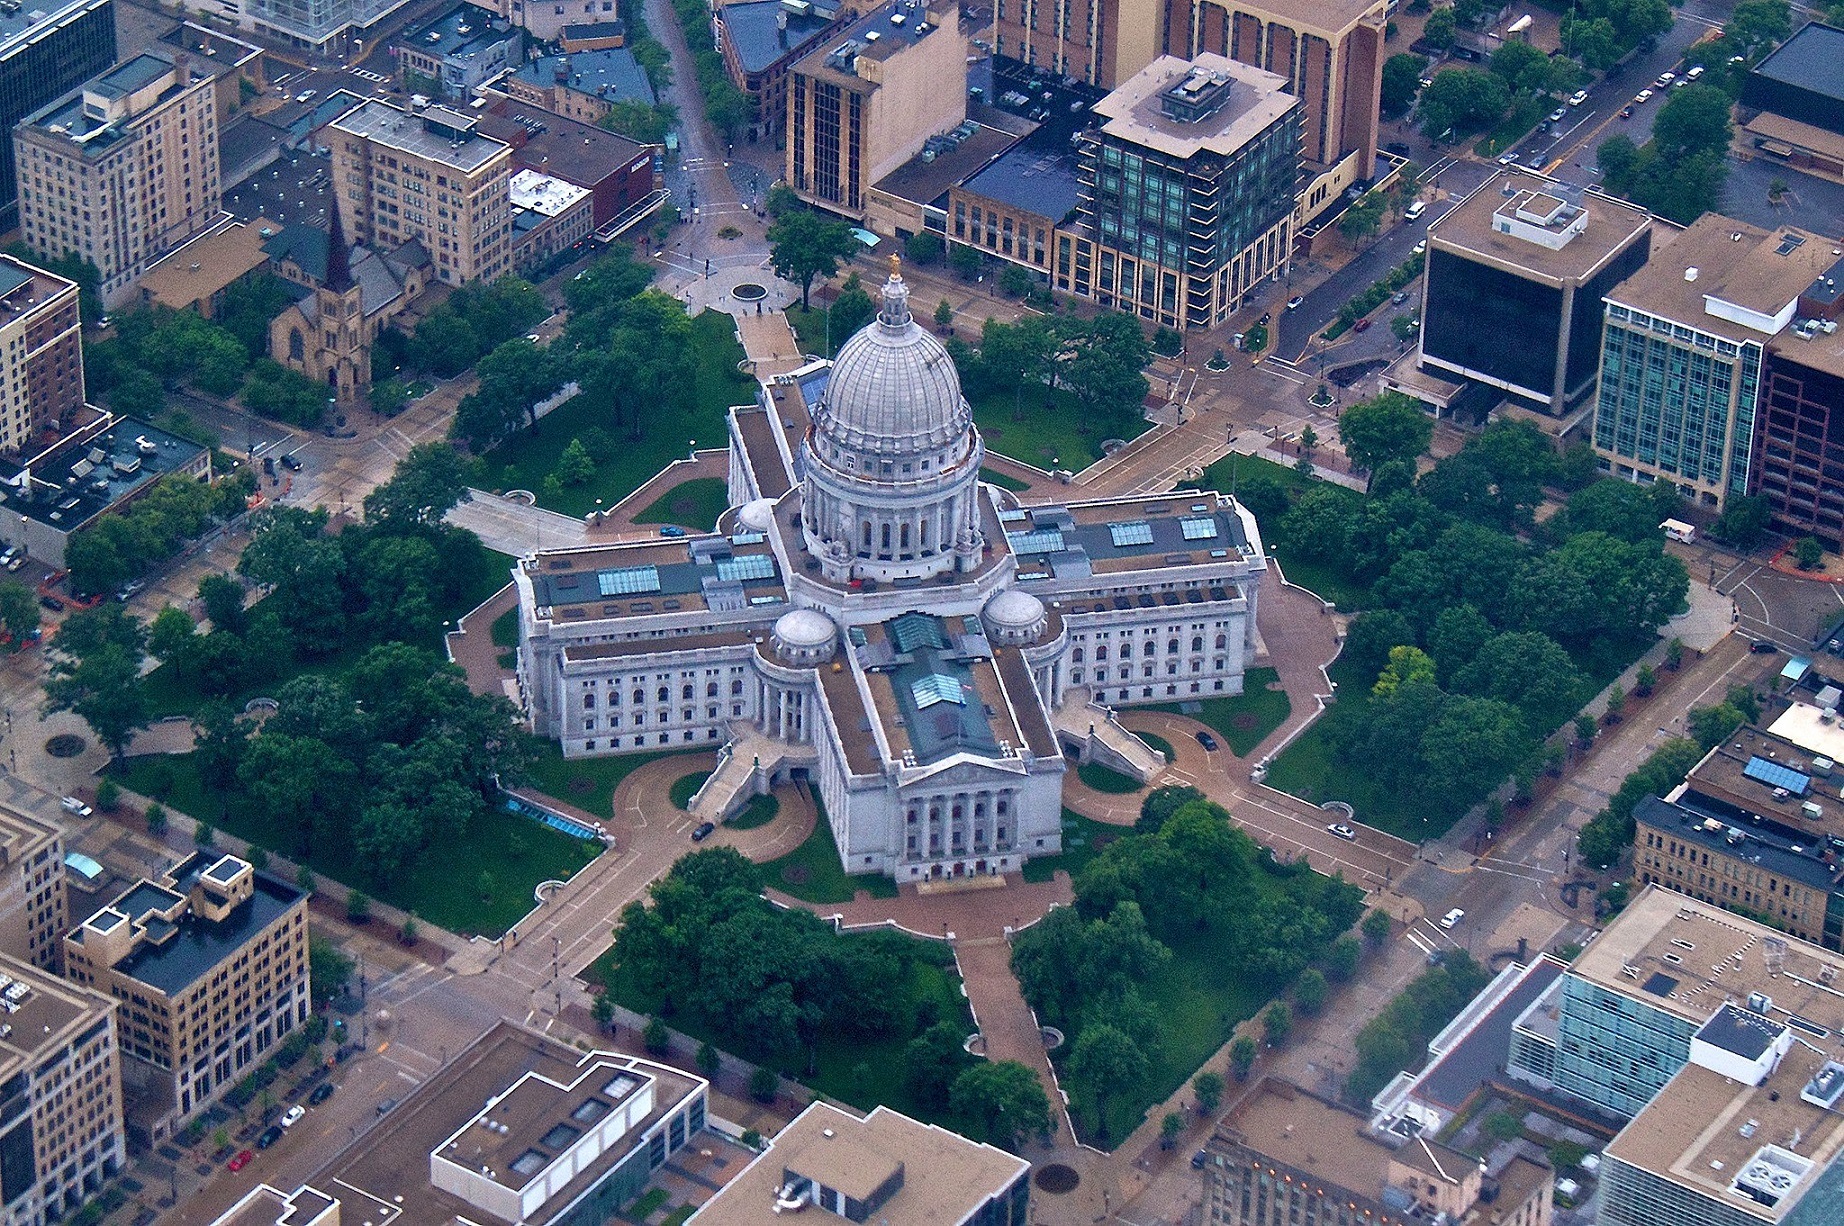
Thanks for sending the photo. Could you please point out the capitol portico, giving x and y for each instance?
(872, 618)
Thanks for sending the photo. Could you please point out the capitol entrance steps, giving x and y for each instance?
(748, 766)
(1098, 737)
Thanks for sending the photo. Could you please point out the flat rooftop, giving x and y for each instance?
(705, 572)
(462, 33)
(1612, 226)
(1323, 16)
(1758, 270)
(1777, 849)
(757, 35)
(926, 178)
(1078, 539)
(26, 287)
(1809, 60)
(200, 269)
(439, 134)
(1032, 176)
(945, 1177)
(879, 34)
(178, 959)
(80, 133)
(27, 23)
(1756, 773)
(79, 481)
(1805, 725)
(613, 74)
(39, 1011)
(1256, 99)
(1458, 1072)
(212, 44)
(935, 688)
(579, 153)
(549, 1081)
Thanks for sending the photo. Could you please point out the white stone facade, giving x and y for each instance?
(872, 619)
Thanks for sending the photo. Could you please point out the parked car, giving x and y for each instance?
(1762, 647)
(1418, 248)
(321, 1093)
(52, 603)
(1643, 96)
(387, 1106)
(1363, 324)
(1293, 303)
(703, 831)
(72, 805)
(1558, 115)
(1399, 297)
(1343, 831)
(671, 530)
(270, 1136)
(306, 95)
(1508, 158)
(1694, 73)
(291, 464)
(243, 1159)
(1578, 97)
(1664, 79)
(1626, 112)
(16, 563)
(1415, 209)
(1452, 918)
(1198, 1159)
(294, 1115)
(1207, 741)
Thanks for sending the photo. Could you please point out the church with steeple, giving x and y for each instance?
(874, 619)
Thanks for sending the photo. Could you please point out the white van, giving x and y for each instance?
(1679, 531)
(1415, 209)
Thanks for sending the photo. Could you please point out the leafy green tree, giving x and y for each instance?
(1407, 665)
(1808, 553)
(328, 968)
(156, 818)
(222, 597)
(428, 482)
(944, 315)
(1743, 522)
(638, 121)
(1401, 82)
(1277, 1024)
(1693, 120)
(1169, 1128)
(1462, 100)
(923, 247)
(1101, 363)
(1439, 30)
(851, 310)
(1105, 1062)
(931, 1062)
(1388, 427)
(965, 261)
(1527, 669)
(1006, 1097)
(574, 467)
(1523, 68)
(171, 634)
(1208, 1086)
(1376, 928)
(1755, 27)
(1161, 803)
(1341, 959)
(108, 795)
(1619, 162)
(1242, 1053)
(803, 245)
(96, 674)
(1309, 991)
(1362, 218)
(18, 609)
(764, 1085)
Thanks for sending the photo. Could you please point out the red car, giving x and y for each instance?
(1361, 324)
(242, 1160)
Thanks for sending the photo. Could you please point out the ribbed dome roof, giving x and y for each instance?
(893, 389)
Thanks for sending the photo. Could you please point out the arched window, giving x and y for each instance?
(686, 693)
(297, 346)
(1222, 641)
(1101, 651)
(710, 691)
(1171, 648)
(664, 694)
(886, 538)
(1076, 656)
(867, 534)
(904, 537)
(1126, 650)
(639, 697)
(1197, 643)
(736, 688)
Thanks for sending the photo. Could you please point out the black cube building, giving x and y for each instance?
(1513, 286)
(43, 57)
(1796, 99)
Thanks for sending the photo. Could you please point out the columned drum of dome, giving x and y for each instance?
(893, 458)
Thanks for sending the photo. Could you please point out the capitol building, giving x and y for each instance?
(871, 618)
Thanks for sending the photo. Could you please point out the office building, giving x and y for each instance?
(1099, 42)
(453, 55)
(1715, 1036)
(34, 905)
(1527, 257)
(345, 28)
(125, 169)
(760, 41)
(60, 1095)
(41, 356)
(1796, 97)
(209, 965)
(621, 175)
(874, 618)
(883, 1167)
(430, 176)
(45, 53)
(563, 21)
(97, 463)
(1284, 1155)
(240, 66)
(869, 98)
(1682, 351)
(565, 1138)
(1188, 191)
(1799, 436)
(579, 85)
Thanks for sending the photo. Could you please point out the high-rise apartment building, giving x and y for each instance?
(41, 356)
(1527, 257)
(60, 1095)
(426, 175)
(870, 97)
(34, 905)
(125, 169)
(1799, 436)
(210, 967)
(44, 53)
(1682, 351)
(1188, 190)
(1100, 42)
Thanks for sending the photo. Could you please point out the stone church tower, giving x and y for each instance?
(344, 356)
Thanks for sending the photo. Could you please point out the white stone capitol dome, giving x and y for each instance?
(893, 390)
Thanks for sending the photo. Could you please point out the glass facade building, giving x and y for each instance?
(40, 61)
(1614, 1051)
(1633, 1196)
(1676, 403)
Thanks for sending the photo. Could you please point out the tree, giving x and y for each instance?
(1169, 1128)
(1208, 1086)
(427, 484)
(1440, 28)
(406, 935)
(96, 674)
(851, 310)
(1808, 553)
(328, 968)
(1388, 427)
(18, 609)
(931, 1062)
(156, 820)
(924, 247)
(1616, 704)
(1277, 1024)
(108, 795)
(1523, 68)
(1362, 218)
(638, 121)
(655, 1037)
(602, 1009)
(222, 597)
(1105, 1062)
(171, 634)
(1341, 958)
(1101, 362)
(1593, 41)
(1527, 669)
(574, 467)
(708, 1061)
(764, 1085)
(358, 907)
(1755, 26)
(1242, 1053)
(944, 315)
(1161, 803)
(1743, 522)
(1401, 81)
(1006, 1097)
(1462, 100)
(965, 261)
(1309, 991)
(803, 245)
(1376, 928)
(1584, 729)
(1694, 120)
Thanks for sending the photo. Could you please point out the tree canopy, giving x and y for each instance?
(803, 245)
(1388, 427)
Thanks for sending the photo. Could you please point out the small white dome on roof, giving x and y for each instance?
(805, 636)
(757, 516)
(1014, 616)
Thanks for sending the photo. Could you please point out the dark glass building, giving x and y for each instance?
(39, 62)
(1799, 439)
(1514, 282)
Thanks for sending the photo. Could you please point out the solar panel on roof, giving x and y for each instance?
(937, 687)
(1137, 533)
(1775, 775)
(628, 580)
(1042, 540)
(749, 566)
(1199, 529)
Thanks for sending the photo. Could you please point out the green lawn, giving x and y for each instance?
(1103, 779)
(1159, 743)
(525, 459)
(862, 1072)
(587, 783)
(443, 888)
(1082, 839)
(690, 504)
(505, 629)
(760, 811)
(990, 477)
(1049, 429)
(1242, 721)
(172, 692)
(811, 871)
(685, 787)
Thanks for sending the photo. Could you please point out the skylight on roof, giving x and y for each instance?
(1199, 529)
(749, 566)
(914, 630)
(935, 688)
(1041, 540)
(1137, 533)
(629, 580)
